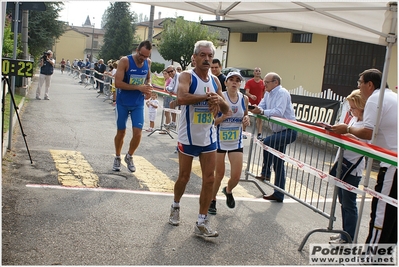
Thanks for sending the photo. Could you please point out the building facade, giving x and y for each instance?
(79, 42)
(315, 62)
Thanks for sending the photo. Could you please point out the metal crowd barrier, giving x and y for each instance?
(88, 78)
(176, 111)
(307, 164)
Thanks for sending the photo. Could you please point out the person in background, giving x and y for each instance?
(133, 83)
(46, 71)
(152, 105)
(200, 96)
(68, 65)
(178, 69)
(108, 78)
(81, 68)
(229, 139)
(87, 69)
(350, 158)
(96, 75)
(169, 124)
(383, 225)
(255, 89)
(276, 102)
(113, 89)
(62, 63)
(172, 88)
(76, 65)
(169, 103)
(101, 69)
(216, 68)
(81, 64)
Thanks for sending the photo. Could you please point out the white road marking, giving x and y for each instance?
(138, 192)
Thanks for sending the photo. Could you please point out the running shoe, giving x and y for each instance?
(230, 202)
(174, 218)
(204, 229)
(335, 237)
(129, 162)
(212, 208)
(117, 164)
(337, 241)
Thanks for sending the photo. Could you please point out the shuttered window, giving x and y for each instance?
(249, 37)
(345, 59)
(301, 38)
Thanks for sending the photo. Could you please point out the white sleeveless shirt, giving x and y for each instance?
(196, 122)
(229, 131)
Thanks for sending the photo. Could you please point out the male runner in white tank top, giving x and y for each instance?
(200, 96)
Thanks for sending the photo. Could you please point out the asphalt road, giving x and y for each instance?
(70, 208)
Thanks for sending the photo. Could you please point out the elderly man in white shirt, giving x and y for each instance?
(276, 102)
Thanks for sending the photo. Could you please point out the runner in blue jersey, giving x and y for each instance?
(132, 80)
(200, 95)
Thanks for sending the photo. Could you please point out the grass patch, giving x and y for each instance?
(8, 100)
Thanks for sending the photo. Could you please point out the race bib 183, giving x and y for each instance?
(202, 116)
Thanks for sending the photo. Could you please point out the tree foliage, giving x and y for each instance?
(44, 28)
(119, 26)
(157, 67)
(178, 39)
(8, 41)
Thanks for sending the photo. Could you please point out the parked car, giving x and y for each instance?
(245, 73)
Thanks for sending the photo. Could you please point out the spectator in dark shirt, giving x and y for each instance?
(101, 69)
(216, 69)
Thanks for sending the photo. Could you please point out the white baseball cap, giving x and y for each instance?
(234, 73)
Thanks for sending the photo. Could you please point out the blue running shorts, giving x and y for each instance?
(195, 151)
(136, 116)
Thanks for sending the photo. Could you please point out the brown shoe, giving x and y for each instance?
(262, 178)
(272, 197)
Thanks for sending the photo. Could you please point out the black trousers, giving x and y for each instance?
(383, 228)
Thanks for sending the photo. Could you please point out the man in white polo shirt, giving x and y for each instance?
(383, 223)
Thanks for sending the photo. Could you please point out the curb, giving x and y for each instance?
(14, 119)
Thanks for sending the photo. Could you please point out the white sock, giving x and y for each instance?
(176, 204)
(201, 218)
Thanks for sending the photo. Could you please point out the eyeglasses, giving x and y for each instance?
(359, 82)
(178, 69)
(270, 81)
(141, 55)
(170, 71)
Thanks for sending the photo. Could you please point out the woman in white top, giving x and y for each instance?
(346, 198)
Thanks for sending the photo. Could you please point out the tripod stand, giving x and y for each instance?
(5, 81)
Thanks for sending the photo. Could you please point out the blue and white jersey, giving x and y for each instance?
(196, 122)
(136, 76)
(229, 131)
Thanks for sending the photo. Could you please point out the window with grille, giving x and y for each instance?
(301, 38)
(345, 59)
(249, 37)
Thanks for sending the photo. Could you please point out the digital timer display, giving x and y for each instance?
(16, 67)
